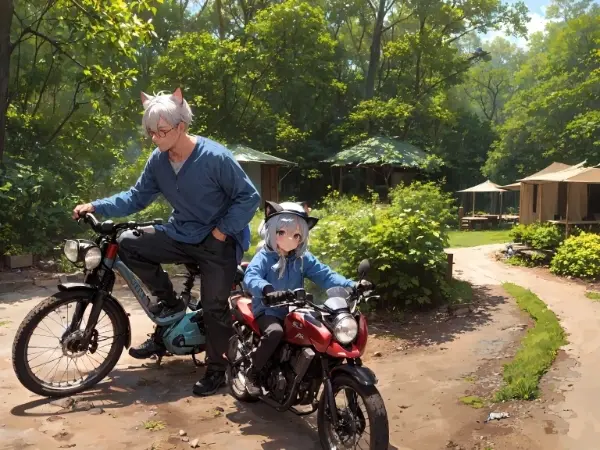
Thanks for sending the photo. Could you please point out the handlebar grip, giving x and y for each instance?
(91, 219)
(271, 300)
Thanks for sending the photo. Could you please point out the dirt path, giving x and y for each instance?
(427, 364)
(579, 316)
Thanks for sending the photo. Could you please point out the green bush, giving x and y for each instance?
(427, 198)
(540, 236)
(404, 241)
(578, 256)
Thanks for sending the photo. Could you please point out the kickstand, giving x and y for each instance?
(196, 362)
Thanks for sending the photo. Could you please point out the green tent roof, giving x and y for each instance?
(378, 151)
(247, 154)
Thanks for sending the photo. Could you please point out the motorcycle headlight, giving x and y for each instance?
(92, 257)
(71, 250)
(345, 328)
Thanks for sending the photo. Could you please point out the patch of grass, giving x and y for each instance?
(470, 379)
(459, 239)
(4, 323)
(589, 294)
(460, 292)
(473, 401)
(537, 351)
(154, 425)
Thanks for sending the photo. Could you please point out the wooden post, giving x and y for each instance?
(540, 197)
(500, 219)
(450, 259)
(473, 204)
(341, 178)
(567, 214)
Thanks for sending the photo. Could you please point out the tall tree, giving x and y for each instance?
(6, 14)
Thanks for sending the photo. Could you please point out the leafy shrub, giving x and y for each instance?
(427, 198)
(578, 256)
(540, 236)
(404, 242)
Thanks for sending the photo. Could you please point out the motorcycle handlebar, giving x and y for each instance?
(110, 227)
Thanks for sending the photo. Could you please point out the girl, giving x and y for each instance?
(296, 206)
(281, 265)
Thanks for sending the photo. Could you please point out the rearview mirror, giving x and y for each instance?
(363, 268)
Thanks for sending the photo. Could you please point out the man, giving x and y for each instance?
(213, 202)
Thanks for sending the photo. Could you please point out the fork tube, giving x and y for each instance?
(97, 304)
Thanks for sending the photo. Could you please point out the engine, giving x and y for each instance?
(287, 364)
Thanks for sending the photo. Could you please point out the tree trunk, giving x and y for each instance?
(6, 13)
(375, 54)
(221, 20)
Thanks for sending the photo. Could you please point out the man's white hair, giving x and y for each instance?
(170, 107)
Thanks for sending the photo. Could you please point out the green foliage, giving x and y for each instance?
(537, 351)
(578, 256)
(593, 295)
(540, 236)
(289, 78)
(460, 292)
(404, 242)
(427, 197)
(70, 64)
(473, 401)
(553, 115)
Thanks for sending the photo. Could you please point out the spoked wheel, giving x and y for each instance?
(235, 377)
(49, 357)
(362, 418)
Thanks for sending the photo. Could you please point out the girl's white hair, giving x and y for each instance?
(290, 223)
(168, 106)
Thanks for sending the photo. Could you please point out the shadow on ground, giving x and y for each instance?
(439, 326)
(163, 386)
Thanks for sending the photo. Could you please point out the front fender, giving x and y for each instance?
(109, 298)
(362, 374)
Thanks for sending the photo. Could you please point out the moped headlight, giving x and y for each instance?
(92, 257)
(345, 328)
(71, 250)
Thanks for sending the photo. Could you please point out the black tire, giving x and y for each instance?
(377, 415)
(235, 387)
(29, 325)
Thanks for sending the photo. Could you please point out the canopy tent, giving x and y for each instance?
(573, 174)
(379, 151)
(560, 193)
(512, 187)
(486, 186)
(246, 154)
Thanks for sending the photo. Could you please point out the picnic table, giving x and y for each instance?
(472, 222)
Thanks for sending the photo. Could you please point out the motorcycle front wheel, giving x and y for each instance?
(362, 418)
(47, 357)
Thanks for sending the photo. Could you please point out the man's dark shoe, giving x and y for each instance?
(170, 310)
(147, 349)
(252, 384)
(163, 309)
(210, 384)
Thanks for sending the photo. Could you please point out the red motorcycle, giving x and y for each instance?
(321, 348)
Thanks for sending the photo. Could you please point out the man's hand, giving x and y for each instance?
(82, 209)
(218, 235)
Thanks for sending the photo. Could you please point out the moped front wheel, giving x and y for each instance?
(49, 358)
